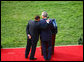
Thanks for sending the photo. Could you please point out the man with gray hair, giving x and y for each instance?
(48, 40)
(46, 37)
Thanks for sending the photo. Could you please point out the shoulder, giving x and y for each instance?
(30, 21)
(52, 20)
(41, 21)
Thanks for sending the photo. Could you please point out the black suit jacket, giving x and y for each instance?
(46, 34)
(34, 27)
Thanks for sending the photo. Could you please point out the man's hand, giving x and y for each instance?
(29, 36)
(47, 20)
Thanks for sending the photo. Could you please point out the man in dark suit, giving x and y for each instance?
(33, 30)
(46, 37)
(54, 32)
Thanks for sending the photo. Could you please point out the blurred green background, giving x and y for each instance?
(15, 16)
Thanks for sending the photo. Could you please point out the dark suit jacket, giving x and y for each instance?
(54, 29)
(33, 28)
(46, 34)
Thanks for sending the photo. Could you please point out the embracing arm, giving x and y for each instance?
(44, 24)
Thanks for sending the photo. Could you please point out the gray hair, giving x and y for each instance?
(45, 14)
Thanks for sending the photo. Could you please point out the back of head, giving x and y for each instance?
(37, 18)
(44, 14)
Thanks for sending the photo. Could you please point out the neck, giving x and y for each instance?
(44, 17)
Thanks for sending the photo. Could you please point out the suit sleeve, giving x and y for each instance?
(27, 29)
(54, 27)
(51, 25)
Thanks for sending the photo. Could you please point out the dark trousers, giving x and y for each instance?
(53, 44)
(30, 44)
(47, 51)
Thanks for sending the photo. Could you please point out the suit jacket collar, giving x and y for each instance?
(45, 19)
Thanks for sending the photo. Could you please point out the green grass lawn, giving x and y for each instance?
(15, 16)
